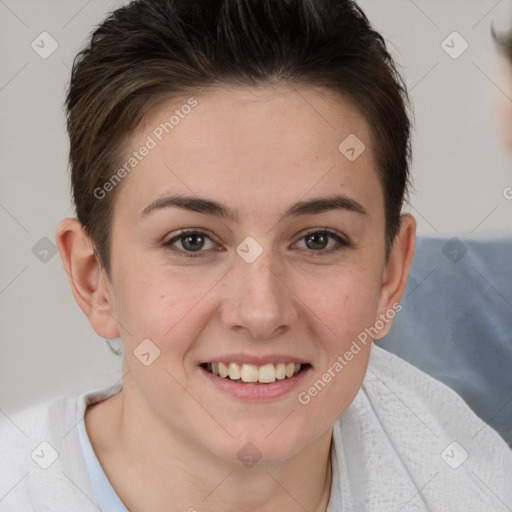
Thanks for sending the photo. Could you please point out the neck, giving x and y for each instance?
(151, 467)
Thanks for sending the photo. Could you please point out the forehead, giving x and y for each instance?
(254, 146)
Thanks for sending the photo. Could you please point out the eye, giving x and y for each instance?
(319, 241)
(191, 241)
(196, 241)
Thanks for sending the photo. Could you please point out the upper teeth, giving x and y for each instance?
(252, 373)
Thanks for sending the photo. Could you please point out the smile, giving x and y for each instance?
(251, 373)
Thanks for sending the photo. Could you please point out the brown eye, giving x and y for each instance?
(193, 242)
(319, 241)
(189, 242)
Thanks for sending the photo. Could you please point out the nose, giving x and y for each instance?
(258, 299)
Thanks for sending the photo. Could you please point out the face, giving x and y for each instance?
(284, 262)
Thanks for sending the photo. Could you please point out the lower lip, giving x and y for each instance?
(254, 392)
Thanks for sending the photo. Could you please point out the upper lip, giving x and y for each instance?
(241, 358)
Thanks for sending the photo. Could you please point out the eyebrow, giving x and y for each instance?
(211, 207)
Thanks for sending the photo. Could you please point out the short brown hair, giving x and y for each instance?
(503, 42)
(153, 49)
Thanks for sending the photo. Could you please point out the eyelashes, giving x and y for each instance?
(187, 235)
(190, 239)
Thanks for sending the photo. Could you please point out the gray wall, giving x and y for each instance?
(47, 345)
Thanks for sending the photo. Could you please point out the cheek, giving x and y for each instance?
(328, 393)
(345, 302)
(346, 310)
(157, 303)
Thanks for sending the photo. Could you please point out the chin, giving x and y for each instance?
(259, 448)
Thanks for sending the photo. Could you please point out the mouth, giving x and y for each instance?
(254, 374)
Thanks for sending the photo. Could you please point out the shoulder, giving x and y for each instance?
(419, 434)
(42, 465)
(455, 323)
(393, 386)
(22, 432)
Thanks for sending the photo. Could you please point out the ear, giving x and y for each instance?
(396, 273)
(89, 282)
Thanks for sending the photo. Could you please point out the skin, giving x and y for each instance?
(169, 437)
(502, 106)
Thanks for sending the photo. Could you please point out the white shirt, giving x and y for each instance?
(406, 443)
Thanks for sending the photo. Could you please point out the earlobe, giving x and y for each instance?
(89, 284)
(397, 271)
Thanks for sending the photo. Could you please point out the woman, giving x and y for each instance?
(239, 170)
